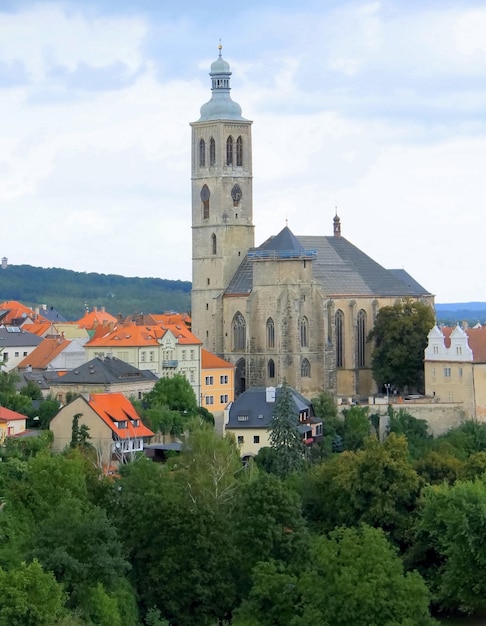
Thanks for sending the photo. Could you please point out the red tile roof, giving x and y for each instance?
(94, 318)
(17, 310)
(476, 340)
(133, 335)
(211, 361)
(45, 352)
(114, 408)
(6, 415)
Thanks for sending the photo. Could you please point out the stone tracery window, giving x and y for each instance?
(304, 332)
(339, 330)
(229, 151)
(270, 333)
(214, 243)
(212, 152)
(202, 153)
(305, 368)
(239, 332)
(271, 368)
(239, 151)
(361, 338)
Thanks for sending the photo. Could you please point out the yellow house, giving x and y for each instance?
(455, 368)
(217, 384)
(11, 423)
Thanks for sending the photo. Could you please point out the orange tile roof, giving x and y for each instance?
(131, 335)
(40, 328)
(6, 415)
(211, 361)
(115, 407)
(17, 310)
(44, 353)
(92, 319)
(172, 318)
(476, 341)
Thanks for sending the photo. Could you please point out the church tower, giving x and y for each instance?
(222, 204)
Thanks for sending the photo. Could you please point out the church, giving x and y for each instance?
(296, 307)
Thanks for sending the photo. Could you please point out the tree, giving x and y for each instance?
(415, 430)
(400, 337)
(79, 434)
(174, 393)
(47, 410)
(356, 427)
(284, 437)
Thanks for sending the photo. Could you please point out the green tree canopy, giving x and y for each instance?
(400, 337)
(174, 393)
(285, 438)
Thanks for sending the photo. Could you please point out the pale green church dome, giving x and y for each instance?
(221, 106)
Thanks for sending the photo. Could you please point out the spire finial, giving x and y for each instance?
(220, 47)
(286, 222)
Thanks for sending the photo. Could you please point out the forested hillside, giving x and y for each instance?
(70, 292)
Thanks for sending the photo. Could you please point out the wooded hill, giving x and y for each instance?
(71, 292)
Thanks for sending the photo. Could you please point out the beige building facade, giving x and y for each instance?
(297, 308)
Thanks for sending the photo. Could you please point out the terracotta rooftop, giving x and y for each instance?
(6, 415)
(476, 340)
(12, 310)
(114, 408)
(45, 352)
(211, 361)
(93, 318)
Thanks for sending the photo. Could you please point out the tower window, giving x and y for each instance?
(214, 243)
(239, 332)
(202, 153)
(339, 329)
(229, 151)
(239, 151)
(205, 195)
(305, 369)
(270, 333)
(212, 152)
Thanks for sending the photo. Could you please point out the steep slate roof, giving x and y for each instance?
(114, 407)
(45, 352)
(211, 361)
(105, 371)
(253, 403)
(340, 267)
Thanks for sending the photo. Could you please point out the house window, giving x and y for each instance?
(239, 151)
(209, 380)
(241, 439)
(121, 425)
(243, 418)
(223, 398)
(202, 153)
(16, 354)
(136, 423)
(151, 356)
(191, 376)
(436, 349)
(229, 151)
(339, 324)
(192, 355)
(239, 332)
(433, 372)
(142, 357)
(458, 350)
(212, 152)
(223, 379)
(305, 369)
(304, 330)
(209, 400)
(447, 372)
(25, 353)
(183, 355)
(5, 356)
(271, 368)
(214, 245)
(460, 372)
(270, 333)
(361, 337)
(256, 438)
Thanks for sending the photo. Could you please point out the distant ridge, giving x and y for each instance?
(71, 292)
(455, 313)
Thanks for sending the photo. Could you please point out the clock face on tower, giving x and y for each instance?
(236, 193)
(205, 193)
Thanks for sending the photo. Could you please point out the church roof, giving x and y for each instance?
(338, 266)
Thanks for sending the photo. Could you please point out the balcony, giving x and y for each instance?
(168, 364)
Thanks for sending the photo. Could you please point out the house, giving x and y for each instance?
(249, 417)
(16, 344)
(14, 313)
(455, 368)
(164, 349)
(68, 330)
(106, 374)
(11, 423)
(115, 429)
(54, 354)
(217, 384)
(92, 319)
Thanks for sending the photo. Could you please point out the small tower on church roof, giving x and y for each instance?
(221, 106)
(337, 225)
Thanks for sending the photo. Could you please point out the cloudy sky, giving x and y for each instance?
(376, 108)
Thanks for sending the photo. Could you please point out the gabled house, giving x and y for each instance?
(14, 313)
(54, 355)
(164, 349)
(115, 428)
(11, 423)
(217, 384)
(455, 368)
(104, 375)
(93, 319)
(249, 417)
(15, 345)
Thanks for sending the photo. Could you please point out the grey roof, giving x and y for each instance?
(253, 404)
(13, 336)
(340, 268)
(106, 371)
(52, 315)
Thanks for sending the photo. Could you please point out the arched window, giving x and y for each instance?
(361, 337)
(304, 333)
(270, 333)
(205, 194)
(202, 153)
(339, 329)
(271, 368)
(305, 369)
(214, 243)
(239, 151)
(212, 152)
(239, 332)
(229, 151)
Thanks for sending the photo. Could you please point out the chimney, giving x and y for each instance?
(102, 309)
(465, 325)
(270, 394)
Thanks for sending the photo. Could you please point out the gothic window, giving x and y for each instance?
(229, 151)
(239, 151)
(212, 152)
(271, 368)
(239, 332)
(202, 153)
(361, 337)
(305, 370)
(205, 194)
(304, 333)
(339, 329)
(270, 333)
(214, 243)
